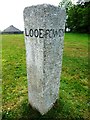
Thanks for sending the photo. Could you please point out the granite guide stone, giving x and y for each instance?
(44, 34)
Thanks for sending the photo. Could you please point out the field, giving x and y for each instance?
(73, 99)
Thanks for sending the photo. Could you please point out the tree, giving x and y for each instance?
(65, 4)
(78, 17)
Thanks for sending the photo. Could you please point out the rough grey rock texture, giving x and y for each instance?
(44, 33)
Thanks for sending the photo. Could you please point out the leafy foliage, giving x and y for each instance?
(78, 19)
(65, 4)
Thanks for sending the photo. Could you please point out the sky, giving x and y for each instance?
(11, 11)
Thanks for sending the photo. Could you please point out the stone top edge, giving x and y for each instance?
(42, 5)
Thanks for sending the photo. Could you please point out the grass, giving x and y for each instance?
(73, 99)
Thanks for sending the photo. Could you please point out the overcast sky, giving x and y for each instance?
(11, 11)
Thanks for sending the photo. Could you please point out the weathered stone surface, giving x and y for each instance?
(44, 33)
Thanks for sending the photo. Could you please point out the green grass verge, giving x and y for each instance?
(73, 100)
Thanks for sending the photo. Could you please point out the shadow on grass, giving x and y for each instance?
(25, 112)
